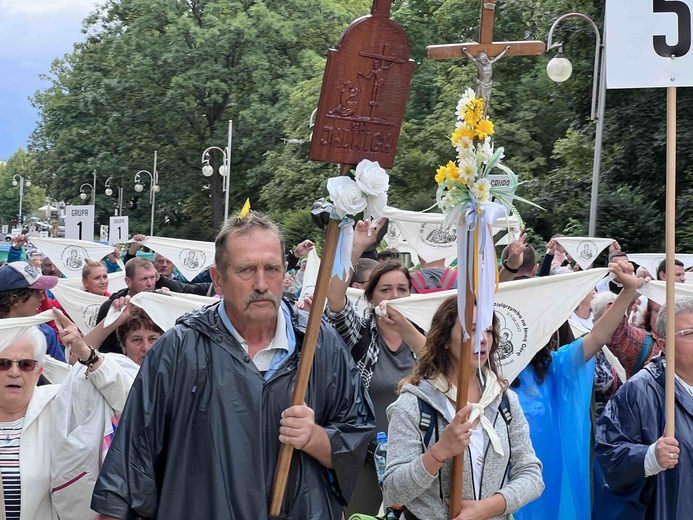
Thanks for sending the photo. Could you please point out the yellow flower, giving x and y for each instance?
(470, 117)
(461, 133)
(483, 129)
(448, 172)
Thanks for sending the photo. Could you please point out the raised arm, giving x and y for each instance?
(363, 238)
(605, 326)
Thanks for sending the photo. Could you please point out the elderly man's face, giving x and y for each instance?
(144, 280)
(683, 344)
(48, 268)
(252, 282)
(164, 266)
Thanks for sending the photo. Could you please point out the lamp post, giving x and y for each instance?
(21, 183)
(224, 169)
(559, 69)
(153, 189)
(109, 192)
(83, 195)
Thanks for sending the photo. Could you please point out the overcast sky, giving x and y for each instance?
(32, 34)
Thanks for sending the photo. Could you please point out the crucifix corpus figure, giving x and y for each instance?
(486, 52)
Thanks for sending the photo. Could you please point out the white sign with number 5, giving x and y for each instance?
(648, 43)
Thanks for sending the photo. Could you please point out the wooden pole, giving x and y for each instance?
(305, 364)
(670, 252)
(462, 390)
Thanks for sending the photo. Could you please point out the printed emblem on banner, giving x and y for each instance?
(192, 259)
(73, 257)
(437, 235)
(393, 231)
(90, 313)
(513, 331)
(587, 250)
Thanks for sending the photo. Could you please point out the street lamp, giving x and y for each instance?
(83, 195)
(224, 169)
(21, 183)
(109, 191)
(153, 189)
(559, 69)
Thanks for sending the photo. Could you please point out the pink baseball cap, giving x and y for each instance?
(23, 275)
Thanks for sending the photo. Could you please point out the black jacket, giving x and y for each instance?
(198, 438)
(631, 422)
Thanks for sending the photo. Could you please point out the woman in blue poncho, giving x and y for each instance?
(554, 391)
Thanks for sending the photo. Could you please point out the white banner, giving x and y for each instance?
(530, 311)
(11, 329)
(426, 234)
(81, 306)
(359, 300)
(651, 261)
(70, 255)
(116, 282)
(584, 250)
(657, 291)
(163, 308)
(191, 257)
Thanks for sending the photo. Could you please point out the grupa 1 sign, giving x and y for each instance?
(648, 43)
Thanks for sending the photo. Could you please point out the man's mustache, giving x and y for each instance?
(263, 296)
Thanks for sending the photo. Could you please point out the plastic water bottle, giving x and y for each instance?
(380, 457)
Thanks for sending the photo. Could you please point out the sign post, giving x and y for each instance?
(649, 46)
(79, 222)
(118, 230)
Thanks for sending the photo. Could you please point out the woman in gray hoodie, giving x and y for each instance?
(501, 471)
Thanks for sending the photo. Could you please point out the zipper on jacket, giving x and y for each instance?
(69, 482)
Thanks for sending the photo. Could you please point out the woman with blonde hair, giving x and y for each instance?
(95, 278)
(501, 471)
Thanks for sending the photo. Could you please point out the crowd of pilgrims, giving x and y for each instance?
(569, 438)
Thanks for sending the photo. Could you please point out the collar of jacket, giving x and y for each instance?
(657, 368)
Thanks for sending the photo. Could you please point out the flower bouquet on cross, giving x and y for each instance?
(469, 200)
(365, 193)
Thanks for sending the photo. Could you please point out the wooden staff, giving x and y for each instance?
(305, 364)
(670, 265)
(462, 390)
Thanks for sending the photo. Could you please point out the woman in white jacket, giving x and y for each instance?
(52, 436)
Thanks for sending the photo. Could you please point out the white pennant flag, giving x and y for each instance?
(116, 282)
(395, 240)
(529, 311)
(651, 261)
(427, 235)
(70, 255)
(358, 299)
(584, 250)
(310, 276)
(163, 308)
(190, 257)
(81, 306)
(657, 291)
(11, 329)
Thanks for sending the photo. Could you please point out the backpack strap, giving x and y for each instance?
(418, 280)
(504, 409)
(645, 353)
(448, 280)
(427, 421)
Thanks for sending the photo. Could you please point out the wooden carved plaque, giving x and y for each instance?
(364, 92)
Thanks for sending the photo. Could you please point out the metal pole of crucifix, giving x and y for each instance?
(483, 54)
(359, 116)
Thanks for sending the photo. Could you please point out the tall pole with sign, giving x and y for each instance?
(649, 46)
(362, 101)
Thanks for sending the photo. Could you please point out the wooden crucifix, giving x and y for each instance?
(485, 52)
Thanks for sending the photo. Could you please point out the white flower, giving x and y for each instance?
(376, 206)
(346, 196)
(462, 103)
(371, 177)
(481, 190)
(465, 147)
(486, 151)
(467, 169)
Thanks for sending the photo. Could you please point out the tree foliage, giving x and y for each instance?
(167, 75)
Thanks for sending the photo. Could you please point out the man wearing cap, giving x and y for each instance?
(22, 290)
